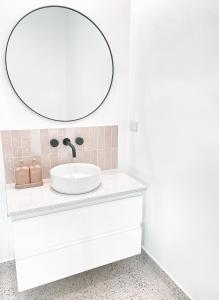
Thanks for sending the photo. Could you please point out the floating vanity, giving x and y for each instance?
(57, 235)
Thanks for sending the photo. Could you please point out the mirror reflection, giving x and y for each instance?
(59, 63)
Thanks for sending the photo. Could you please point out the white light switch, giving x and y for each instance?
(133, 126)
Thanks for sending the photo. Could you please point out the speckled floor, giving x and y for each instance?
(133, 278)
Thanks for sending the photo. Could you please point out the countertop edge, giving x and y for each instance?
(45, 210)
(129, 187)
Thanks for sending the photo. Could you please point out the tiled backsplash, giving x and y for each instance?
(100, 147)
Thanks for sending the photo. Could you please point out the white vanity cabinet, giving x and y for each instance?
(50, 245)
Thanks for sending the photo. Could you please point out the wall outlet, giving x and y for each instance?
(133, 126)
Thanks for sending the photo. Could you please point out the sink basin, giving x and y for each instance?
(75, 178)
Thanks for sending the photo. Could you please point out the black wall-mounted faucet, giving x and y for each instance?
(67, 142)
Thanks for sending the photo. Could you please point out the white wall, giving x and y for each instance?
(174, 73)
(113, 17)
(175, 97)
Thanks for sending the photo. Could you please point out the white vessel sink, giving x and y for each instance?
(75, 178)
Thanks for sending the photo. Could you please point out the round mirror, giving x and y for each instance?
(59, 63)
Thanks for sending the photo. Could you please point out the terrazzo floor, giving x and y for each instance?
(130, 279)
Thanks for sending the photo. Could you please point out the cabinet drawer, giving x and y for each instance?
(50, 266)
(36, 234)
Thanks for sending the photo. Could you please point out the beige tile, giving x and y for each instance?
(61, 132)
(79, 156)
(86, 157)
(27, 160)
(114, 136)
(25, 134)
(93, 157)
(107, 159)
(65, 157)
(100, 159)
(54, 160)
(83, 132)
(114, 154)
(100, 137)
(17, 162)
(29, 144)
(91, 141)
(44, 138)
(61, 136)
(46, 165)
(7, 143)
(53, 134)
(26, 142)
(94, 137)
(26, 147)
(16, 143)
(38, 160)
(35, 142)
(9, 170)
(70, 133)
(79, 147)
(108, 137)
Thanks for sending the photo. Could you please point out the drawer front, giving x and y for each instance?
(36, 234)
(51, 266)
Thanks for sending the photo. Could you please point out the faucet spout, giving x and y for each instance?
(67, 142)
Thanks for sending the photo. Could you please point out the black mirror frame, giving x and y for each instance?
(112, 60)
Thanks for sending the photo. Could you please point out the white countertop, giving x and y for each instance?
(43, 200)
